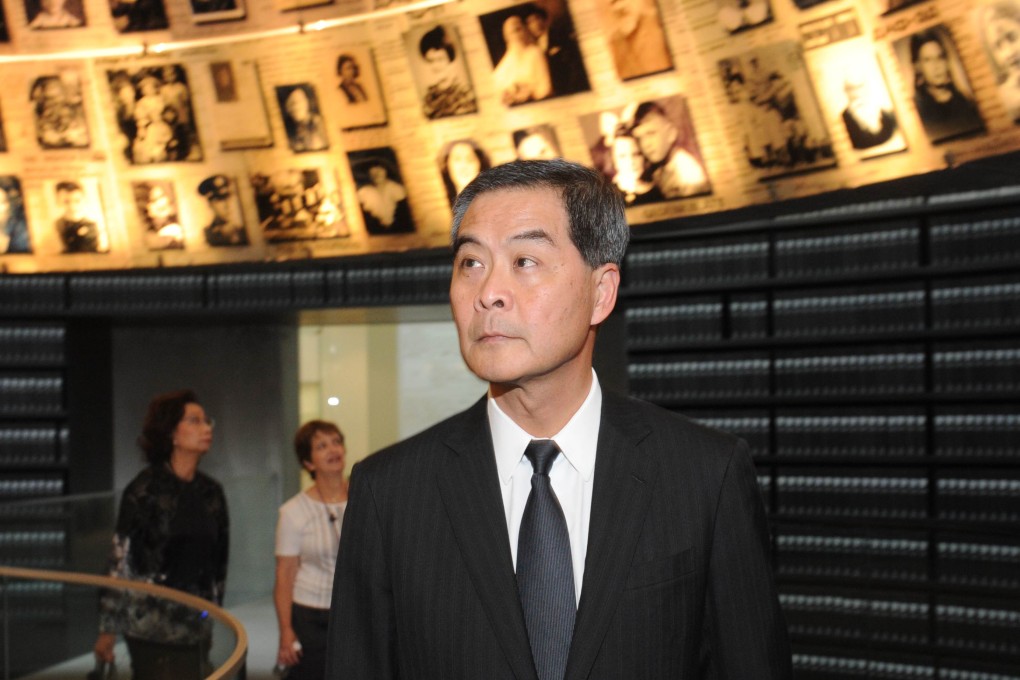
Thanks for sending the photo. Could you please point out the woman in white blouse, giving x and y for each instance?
(307, 538)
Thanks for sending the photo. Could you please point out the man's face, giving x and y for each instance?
(1003, 36)
(536, 25)
(377, 174)
(523, 299)
(626, 14)
(73, 204)
(932, 62)
(535, 147)
(656, 136)
(297, 105)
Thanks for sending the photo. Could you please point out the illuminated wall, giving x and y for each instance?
(217, 146)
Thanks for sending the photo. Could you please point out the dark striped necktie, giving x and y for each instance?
(545, 572)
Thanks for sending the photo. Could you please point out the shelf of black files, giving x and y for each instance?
(33, 461)
(870, 356)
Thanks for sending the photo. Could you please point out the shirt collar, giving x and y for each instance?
(577, 440)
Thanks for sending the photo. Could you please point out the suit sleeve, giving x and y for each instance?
(746, 634)
(361, 633)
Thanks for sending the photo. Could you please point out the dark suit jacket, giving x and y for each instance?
(677, 582)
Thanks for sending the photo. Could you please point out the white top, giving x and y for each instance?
(305, 530)
(572, 474)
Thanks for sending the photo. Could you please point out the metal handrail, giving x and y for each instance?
(230, 667)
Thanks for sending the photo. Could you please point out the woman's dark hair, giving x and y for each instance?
(164, 414)
(345, 58)
(303, 439)
(436, 39)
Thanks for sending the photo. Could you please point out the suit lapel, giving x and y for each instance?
(623, 474)
(469, 486)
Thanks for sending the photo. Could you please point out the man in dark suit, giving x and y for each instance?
(667, 570)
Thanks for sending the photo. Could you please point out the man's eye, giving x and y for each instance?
(469, 262)
(524, 262)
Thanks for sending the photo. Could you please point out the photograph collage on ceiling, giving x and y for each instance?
(337, 138)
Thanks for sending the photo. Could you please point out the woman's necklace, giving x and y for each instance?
(329, 513)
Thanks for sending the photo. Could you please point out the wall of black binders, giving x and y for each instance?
(870, 356)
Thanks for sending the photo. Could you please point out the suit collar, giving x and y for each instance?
(469, 486)
(623, 477)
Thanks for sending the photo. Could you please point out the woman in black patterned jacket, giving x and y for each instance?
(172, 530)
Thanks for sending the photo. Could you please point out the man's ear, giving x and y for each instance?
(606, 279)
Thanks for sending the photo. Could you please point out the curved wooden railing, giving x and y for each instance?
(229, 668)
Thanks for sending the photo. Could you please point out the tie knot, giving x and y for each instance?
(542, 453)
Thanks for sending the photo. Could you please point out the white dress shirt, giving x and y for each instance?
(572, 474)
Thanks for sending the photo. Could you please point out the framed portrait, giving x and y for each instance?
(58, 109)
(381, 192)
(534, 52)
(636, 37)
(854, 92)
(211, 11)
(537, 143)
(649, 150)
(155, 118)
(299, 204)
(157, 211)
(439, 67)
(132, 16)
(740, 15)
(238, 108)
(224, 224)
(302, 119)
(76, 215)
(358, 93)
(769, 95)
(14, 238)
(998, 29)
(942, 94)
(47, 14)
(460, 161)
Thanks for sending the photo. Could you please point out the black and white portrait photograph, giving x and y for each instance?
(772, 103)
(133, 16)
(853, 89)
(155, 119)
(14, 238)
(460, 161)
(58, 108)
(224, 223)
(637, 39)
(534, 52)
(942, 93)
(649, 150)
(299, 205)
(210, 11)
(302, 119)
(381, 192)
(156, 205)
(46, 14)
(998, 28)
(740, 15)
(537, 143)
(238, 109)
(358, 93)
(77, 214)
(440, 71)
